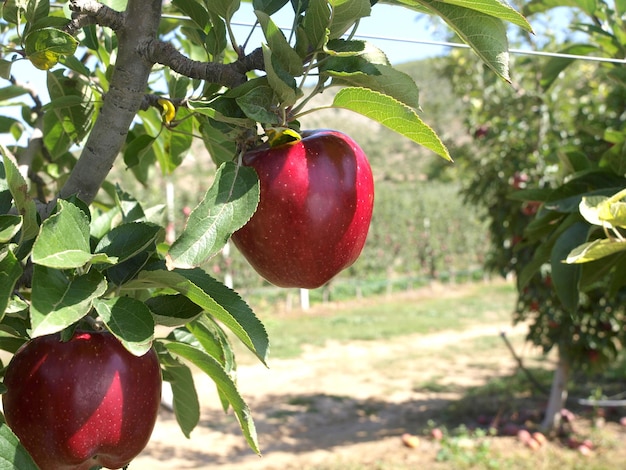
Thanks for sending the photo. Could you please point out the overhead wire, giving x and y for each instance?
(459, 45)
(427, 42)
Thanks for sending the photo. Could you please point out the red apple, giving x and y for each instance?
(436, 434)
(316, 202)
(81, 403)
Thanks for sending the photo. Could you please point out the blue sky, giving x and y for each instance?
(385, 21)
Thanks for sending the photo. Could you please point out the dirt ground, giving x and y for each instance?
(340, 403)
(346, 405)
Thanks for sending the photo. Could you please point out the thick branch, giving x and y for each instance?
(228, 75)
(87, 12)
(121, 103)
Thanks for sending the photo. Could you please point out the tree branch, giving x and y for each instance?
(86, 12)
(228, 75)
(121, 103)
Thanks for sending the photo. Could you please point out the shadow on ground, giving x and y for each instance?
(301, 423)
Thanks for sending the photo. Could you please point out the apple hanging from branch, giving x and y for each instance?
(315, 208)
(82, 403)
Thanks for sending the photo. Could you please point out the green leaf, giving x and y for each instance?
(595, 250)
(345, 13)
(391, 113)
(227, 206)
(539, 6)
(19, 190)
(129, 320)
(213, 341)
(44, 47)
(123, 272)
(315, 25)
(137, 148)
(128, 240)
(278, 44)
(5, 68)
(63, 241)
(37, 10)
(58, 301)
(222, 110)
(172, 145)
(10, 226)
(604, 211)
(223, 8)
(10, 272)
(551, 70)
(268, 6)
(186, 404)
(255, 105)
(129, 207)
(13, 456)
(283, 84)
(484, 33)
(349, 71)
(566, 277)
(194, 10)
(591, 208)
(102, 222)
(497, 9)
(12, 91)
(10, 344)
(220, 147)
(68, 116)
(173, 310)
(215, 298)
(224, 383)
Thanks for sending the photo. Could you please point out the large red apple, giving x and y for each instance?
(81, 403)
(315, 208)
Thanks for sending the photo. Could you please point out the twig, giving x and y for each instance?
(518, 359)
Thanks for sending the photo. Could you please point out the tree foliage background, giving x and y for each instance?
(138, 82)
(547, 159)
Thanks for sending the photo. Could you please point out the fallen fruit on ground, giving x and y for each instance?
(524, 436)
(411, 441)
(82, 403)
(540, 437)
(315, 208)
(437, 434)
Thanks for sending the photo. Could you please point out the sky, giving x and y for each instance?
(395, 23)
(388, 21)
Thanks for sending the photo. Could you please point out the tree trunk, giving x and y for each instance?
(558, 394)
(121, 103)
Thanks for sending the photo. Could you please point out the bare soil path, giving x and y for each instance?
(345, 401)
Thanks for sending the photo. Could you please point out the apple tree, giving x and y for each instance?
(135, 83)
(553, 147)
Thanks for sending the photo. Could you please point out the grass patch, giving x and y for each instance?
(434, 385)
(381, 317)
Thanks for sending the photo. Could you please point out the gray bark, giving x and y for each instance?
(558, 394)
(121, 103)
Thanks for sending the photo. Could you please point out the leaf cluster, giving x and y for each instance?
(95, 268)
(556, 158)
(108, 262)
